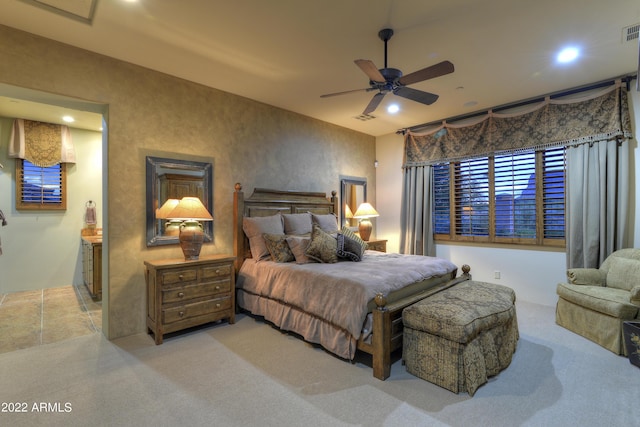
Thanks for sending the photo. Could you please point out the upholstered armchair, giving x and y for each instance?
(596, 301)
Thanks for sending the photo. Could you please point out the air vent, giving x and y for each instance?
(364, 117)
(630, 33)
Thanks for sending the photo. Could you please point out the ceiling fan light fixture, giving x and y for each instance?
(393, 108)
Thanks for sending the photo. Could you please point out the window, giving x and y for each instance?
(507, 198)
(40, 188)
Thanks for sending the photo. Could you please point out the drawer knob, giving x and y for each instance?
(218, 271)
(217, 287)
(180, 294)
(181, 277)
(181, 314)
(218, 305)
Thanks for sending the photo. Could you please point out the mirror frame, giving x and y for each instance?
(156, 164)
(344, 182)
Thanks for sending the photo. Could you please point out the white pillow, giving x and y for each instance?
(328, 223)
(254, 227)
(298, 246)
(298, 224)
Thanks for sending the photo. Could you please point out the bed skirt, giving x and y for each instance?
(311, 328)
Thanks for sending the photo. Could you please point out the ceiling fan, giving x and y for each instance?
(387, 79)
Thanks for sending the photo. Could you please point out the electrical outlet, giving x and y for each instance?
(496, 274)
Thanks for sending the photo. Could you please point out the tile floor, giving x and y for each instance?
(45, 316)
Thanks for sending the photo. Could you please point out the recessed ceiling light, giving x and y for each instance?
(568, 54)
(68, 119)
(393, 108)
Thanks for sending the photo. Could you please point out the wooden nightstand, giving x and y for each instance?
(377, 245)
(182, 294)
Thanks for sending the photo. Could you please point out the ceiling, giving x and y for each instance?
(287, 53)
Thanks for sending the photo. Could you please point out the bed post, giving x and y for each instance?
(381, 339)
(336, 205)
(238, 236)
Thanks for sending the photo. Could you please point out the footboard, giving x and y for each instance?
(387, 325)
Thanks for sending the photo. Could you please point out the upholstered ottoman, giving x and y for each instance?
(460, 336)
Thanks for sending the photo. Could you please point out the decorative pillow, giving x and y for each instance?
(322, 247)
(298, 224)
(350, 245)
(298, 245)
(278, 247)
(328, 222)
(624, 273)
(255, 227)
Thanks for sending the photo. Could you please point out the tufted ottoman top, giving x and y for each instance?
(461, 312)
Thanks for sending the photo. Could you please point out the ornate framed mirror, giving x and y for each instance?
(353, 192)
(175, 179)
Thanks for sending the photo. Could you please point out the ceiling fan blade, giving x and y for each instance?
(416, 95)
(373, 104)
(444, 67)
(370, 70)
(346, 92)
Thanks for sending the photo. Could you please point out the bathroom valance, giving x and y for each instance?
(603, 115)
(43, 144)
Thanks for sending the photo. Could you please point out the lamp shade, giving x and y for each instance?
(347, 212)
(166, 208)
(171, 226)
(365, 210)
(190, 208)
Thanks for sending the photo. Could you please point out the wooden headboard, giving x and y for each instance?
(265, 202)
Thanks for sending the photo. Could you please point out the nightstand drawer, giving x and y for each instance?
(195, 290)
(187, 311)
(179, 276)
(221, 270)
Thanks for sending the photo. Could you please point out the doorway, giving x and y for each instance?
(42, 252)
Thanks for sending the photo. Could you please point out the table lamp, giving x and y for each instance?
(190, 211)
(364, 212)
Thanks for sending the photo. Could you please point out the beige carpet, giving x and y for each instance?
(250, 374)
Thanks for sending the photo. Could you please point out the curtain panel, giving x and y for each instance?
(603, 115)
(416, 212)
(43, 144)
(597, 201)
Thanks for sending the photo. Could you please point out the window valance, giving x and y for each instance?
(43, 144)
(603, 115)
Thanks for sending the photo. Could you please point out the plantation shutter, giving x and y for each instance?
(553, 184)
(515, 195)
(471, 201)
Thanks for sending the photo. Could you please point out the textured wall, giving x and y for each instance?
(150, 113)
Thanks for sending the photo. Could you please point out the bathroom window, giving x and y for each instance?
(40, 188)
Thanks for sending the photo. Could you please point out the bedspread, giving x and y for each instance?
(338, 293)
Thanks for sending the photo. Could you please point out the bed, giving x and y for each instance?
(343, 306)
